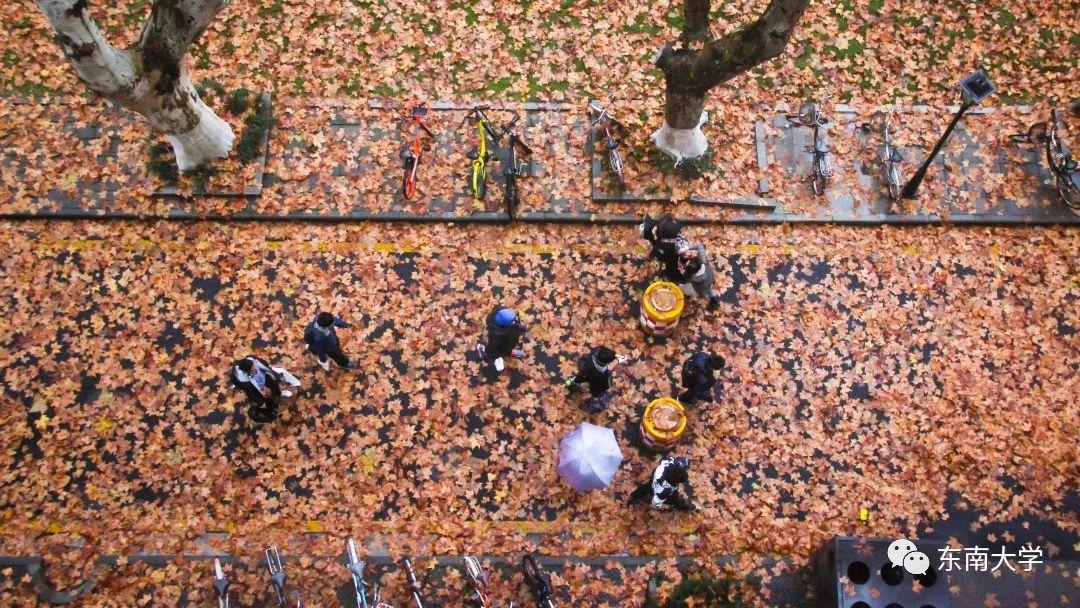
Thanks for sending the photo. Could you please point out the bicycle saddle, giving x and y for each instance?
(407, 154)
(277, 579)
(221, 586)
(357, 570)
(1070, 166)
(612, 144)
(895, 156)
(472, 155)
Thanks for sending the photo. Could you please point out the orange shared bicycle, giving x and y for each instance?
(412, 154)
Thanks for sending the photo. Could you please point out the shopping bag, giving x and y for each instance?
(289, 379)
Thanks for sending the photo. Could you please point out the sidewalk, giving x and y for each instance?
(337, 160)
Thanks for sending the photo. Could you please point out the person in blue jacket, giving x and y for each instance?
(698, 377)
(323, 342)
(504, 334)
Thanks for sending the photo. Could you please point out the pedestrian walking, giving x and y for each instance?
(594, 369)
(664, 234)
(504, 335)
(663, 486)
(696, 273)
(322, 340)
(698, 377)
(262, 384)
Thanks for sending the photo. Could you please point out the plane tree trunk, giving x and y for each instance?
(698, 62)
(151, 77)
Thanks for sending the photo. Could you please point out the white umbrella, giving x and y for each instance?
(589, 457)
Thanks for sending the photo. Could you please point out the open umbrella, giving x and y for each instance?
(589, 457)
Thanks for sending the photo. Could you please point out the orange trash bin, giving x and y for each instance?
(663, 424)
(661, 306)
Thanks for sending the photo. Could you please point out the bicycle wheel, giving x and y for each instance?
(893, 180)
(533, 576)
(472, 182)
(616, 166)
(408, 184)
(1069, 192)
(481, 183)
(537, 580)
(511, 197)
(821, 174)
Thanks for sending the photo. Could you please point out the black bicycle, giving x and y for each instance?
(1063, 168)
(512, 167)
(221, 585)
(810, 116)
(276, 569)
(538, 581)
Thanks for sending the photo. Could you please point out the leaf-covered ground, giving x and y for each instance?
(897, 371)
(319, 62)
(559, 49)
(879, 369)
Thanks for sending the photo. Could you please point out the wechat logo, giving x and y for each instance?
(903, 553)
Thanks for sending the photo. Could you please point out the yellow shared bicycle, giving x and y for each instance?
(478, 173)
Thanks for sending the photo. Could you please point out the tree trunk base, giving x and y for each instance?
(211, 139)
(681, 144)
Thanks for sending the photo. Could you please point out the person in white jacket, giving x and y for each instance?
(697, 274)
(262, 385)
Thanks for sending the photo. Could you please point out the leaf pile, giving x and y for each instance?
(876, 369)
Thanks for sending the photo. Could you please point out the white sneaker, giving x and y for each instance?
(500, 365)
(286, 393)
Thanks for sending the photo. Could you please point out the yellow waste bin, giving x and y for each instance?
(663, 424)
(661, 307)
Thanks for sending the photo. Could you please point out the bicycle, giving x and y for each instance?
(605, 120)
(538, 581)
(479, 156)
(512, 168)
(221, 585)
(411, 155)
(276, 569)
(890, 156)
(1059, 160)
(478, 577)
(414, 584)
(356, 570)
(810, 116)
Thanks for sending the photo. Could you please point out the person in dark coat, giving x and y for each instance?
(504, 335)
(594, 369)
(698, 377)
(664, 234)
(261, 384)
(663, 486)
(323, 342)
